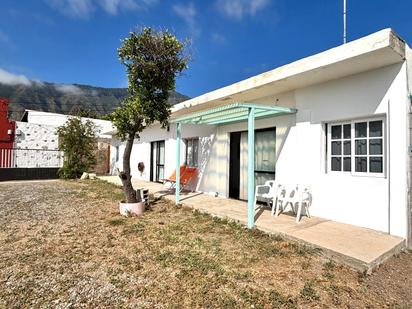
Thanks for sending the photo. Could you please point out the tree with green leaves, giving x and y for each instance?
(79, 111)
(153, 59)
(77, 139)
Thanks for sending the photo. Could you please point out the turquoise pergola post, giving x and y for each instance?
(251, 167)
(178, 138)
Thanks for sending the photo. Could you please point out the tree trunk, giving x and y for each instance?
(125, 176)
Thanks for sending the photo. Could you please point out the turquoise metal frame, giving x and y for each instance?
(231, 113)
(250, 167)
(178, 138)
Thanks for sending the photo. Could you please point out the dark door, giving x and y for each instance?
(265, 160)
(157, 161)
(234, 165)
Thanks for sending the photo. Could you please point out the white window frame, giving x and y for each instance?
(186, 150)
(353, 155)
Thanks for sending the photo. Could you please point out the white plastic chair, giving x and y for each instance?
(305, 202)
(288, 194)
(266, 193)
(297, 196)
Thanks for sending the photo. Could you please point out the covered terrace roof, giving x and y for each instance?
(234, 112)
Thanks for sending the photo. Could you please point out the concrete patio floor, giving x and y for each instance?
(360, 248)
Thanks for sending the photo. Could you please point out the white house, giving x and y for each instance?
(337, 121)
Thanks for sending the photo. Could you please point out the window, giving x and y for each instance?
(356, 147)
(265, 155)
(192, 150)
(117, 154)
(341, 147)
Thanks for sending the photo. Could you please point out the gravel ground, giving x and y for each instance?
(63, 245)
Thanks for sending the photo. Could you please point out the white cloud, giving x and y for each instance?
(4, 37)
(188, 13)
(8, 78)
(218, 38)
(37, 82)
(114, 6)
(257, 5)
(84, 9)
(69, 89)
(73, 8)
(237, 9)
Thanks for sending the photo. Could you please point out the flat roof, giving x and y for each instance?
(376, 50)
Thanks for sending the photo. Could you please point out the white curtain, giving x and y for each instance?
(243, 167)
(265, 159)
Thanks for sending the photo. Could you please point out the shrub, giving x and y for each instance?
(77, 139)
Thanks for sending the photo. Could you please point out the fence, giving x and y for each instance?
(30, 158)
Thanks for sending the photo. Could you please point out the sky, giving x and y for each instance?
(75, 41)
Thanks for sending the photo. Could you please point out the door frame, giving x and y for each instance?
(232, 177)
(254, 170)
(154, 169)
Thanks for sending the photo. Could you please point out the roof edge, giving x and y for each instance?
(385, 38)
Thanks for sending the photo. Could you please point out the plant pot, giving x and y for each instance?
(131, 209)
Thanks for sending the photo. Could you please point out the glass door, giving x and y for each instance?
(265, 159)
(157, 161)
(160, 166)
(265, 156)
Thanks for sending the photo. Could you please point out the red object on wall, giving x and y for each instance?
(7, 133)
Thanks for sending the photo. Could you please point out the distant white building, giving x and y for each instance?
(56, 120)
(36, 142)
(36, 145)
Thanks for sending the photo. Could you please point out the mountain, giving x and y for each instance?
(66, 98)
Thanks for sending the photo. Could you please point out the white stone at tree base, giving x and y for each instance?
(85, 176)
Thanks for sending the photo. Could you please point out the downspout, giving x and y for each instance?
(408, 207)
(388, 124)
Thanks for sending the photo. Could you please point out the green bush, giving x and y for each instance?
(77, 139)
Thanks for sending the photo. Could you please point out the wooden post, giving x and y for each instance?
(108, 160)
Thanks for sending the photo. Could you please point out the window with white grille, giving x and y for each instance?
(356, 147)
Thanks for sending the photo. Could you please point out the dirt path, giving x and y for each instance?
(64, 245)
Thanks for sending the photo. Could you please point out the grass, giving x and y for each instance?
(309, 293)
(67, 245)
(116, 222)
(328, 268)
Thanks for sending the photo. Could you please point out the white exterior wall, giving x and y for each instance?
(378, 203)
(36, 146)
(141, 149)
(35, 136)
(375, 202)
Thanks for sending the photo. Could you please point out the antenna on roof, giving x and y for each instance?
(344, 21)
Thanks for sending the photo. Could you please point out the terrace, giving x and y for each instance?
(361, 248)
